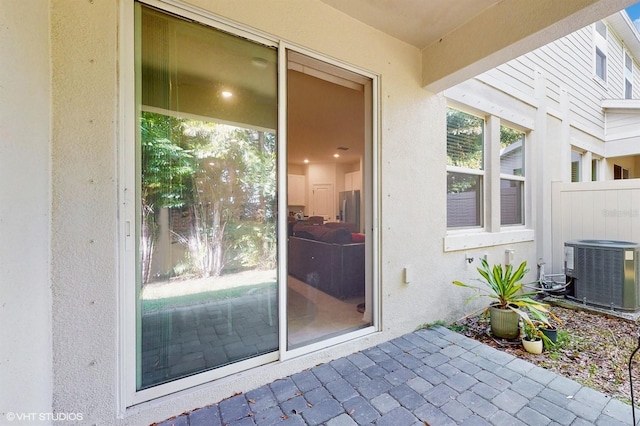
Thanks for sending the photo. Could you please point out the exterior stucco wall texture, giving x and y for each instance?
(84, 46)
(25, 213)
(85, 161)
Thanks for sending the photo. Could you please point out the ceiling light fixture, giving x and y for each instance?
(226, 94)
(336, 155)
(306, 161)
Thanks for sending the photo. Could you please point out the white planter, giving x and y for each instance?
(533, 346)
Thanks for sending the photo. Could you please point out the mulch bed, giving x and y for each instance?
(593, 349)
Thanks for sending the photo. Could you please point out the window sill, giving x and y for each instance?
(470, 240)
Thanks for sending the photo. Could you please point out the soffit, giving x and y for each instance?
(460, 39)
(417, 22)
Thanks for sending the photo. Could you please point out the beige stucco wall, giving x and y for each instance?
(84, 48)
(59, 257)
(25, 295)
(85, 265)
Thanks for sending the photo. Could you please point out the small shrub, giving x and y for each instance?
(430, 325)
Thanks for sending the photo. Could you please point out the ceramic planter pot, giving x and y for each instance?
(551, 333)
(504, 323)
(533, 346)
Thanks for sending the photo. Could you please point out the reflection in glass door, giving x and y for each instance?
(329, 292)
(206, 278)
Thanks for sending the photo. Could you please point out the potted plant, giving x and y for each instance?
(503, 285)
(532, 338)
(550, 331)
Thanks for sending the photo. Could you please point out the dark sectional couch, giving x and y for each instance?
(327, 258)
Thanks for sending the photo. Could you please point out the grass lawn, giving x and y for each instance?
(177, 294)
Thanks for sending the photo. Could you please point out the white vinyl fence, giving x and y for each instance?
(607, 210)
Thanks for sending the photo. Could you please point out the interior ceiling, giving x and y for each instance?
(323, 119)
(417, 22)
(316, 128)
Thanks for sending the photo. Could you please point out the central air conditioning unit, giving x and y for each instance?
(604, 273)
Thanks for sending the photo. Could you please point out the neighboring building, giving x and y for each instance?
(577, 103)
(145, 152)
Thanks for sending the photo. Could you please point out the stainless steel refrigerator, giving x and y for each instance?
(349, 202)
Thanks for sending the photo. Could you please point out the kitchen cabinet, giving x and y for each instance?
(296, 187)
(352, 181)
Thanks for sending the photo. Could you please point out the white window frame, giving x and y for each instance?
(474, 172)
(127, 395)
(577, 157)
(517, 178)
(596, 168)
(492, 232)
(600, 46)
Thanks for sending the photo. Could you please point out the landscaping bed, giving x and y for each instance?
(593, 349)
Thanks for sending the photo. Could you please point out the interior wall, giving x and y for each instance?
(25, 213)
(628, 163)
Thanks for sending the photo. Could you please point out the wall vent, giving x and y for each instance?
(604, 272)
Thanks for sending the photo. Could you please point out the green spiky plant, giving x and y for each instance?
(504, 286)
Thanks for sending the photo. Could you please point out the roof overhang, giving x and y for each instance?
(463, 38)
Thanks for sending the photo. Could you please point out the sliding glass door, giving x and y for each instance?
(328, 144)
(204, 252)
(207, 113)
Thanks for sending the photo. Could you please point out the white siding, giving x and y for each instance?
(570, 91)
(622, 125)
(616, 67)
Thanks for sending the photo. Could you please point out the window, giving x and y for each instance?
(576, 166)
(465, 169)
(511, 176)
(601, 64)
(600, 50)
(628, 76)
(471, 181)
(595, 169)
(620, 172)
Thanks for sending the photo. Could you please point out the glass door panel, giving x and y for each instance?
(327, 148)
(206, 230)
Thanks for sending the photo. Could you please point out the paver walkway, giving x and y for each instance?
(435, 377)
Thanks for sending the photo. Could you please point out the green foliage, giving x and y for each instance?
(166, 166)
(223, 180)
(509, 136)
(562, 342)
(434, 324)
(499, 283)
(503, 285)
(465, 140)
(465, 148)
(163, 304)
(458, 328)
(531, 330)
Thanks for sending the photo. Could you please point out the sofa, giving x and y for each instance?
(327, 258)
